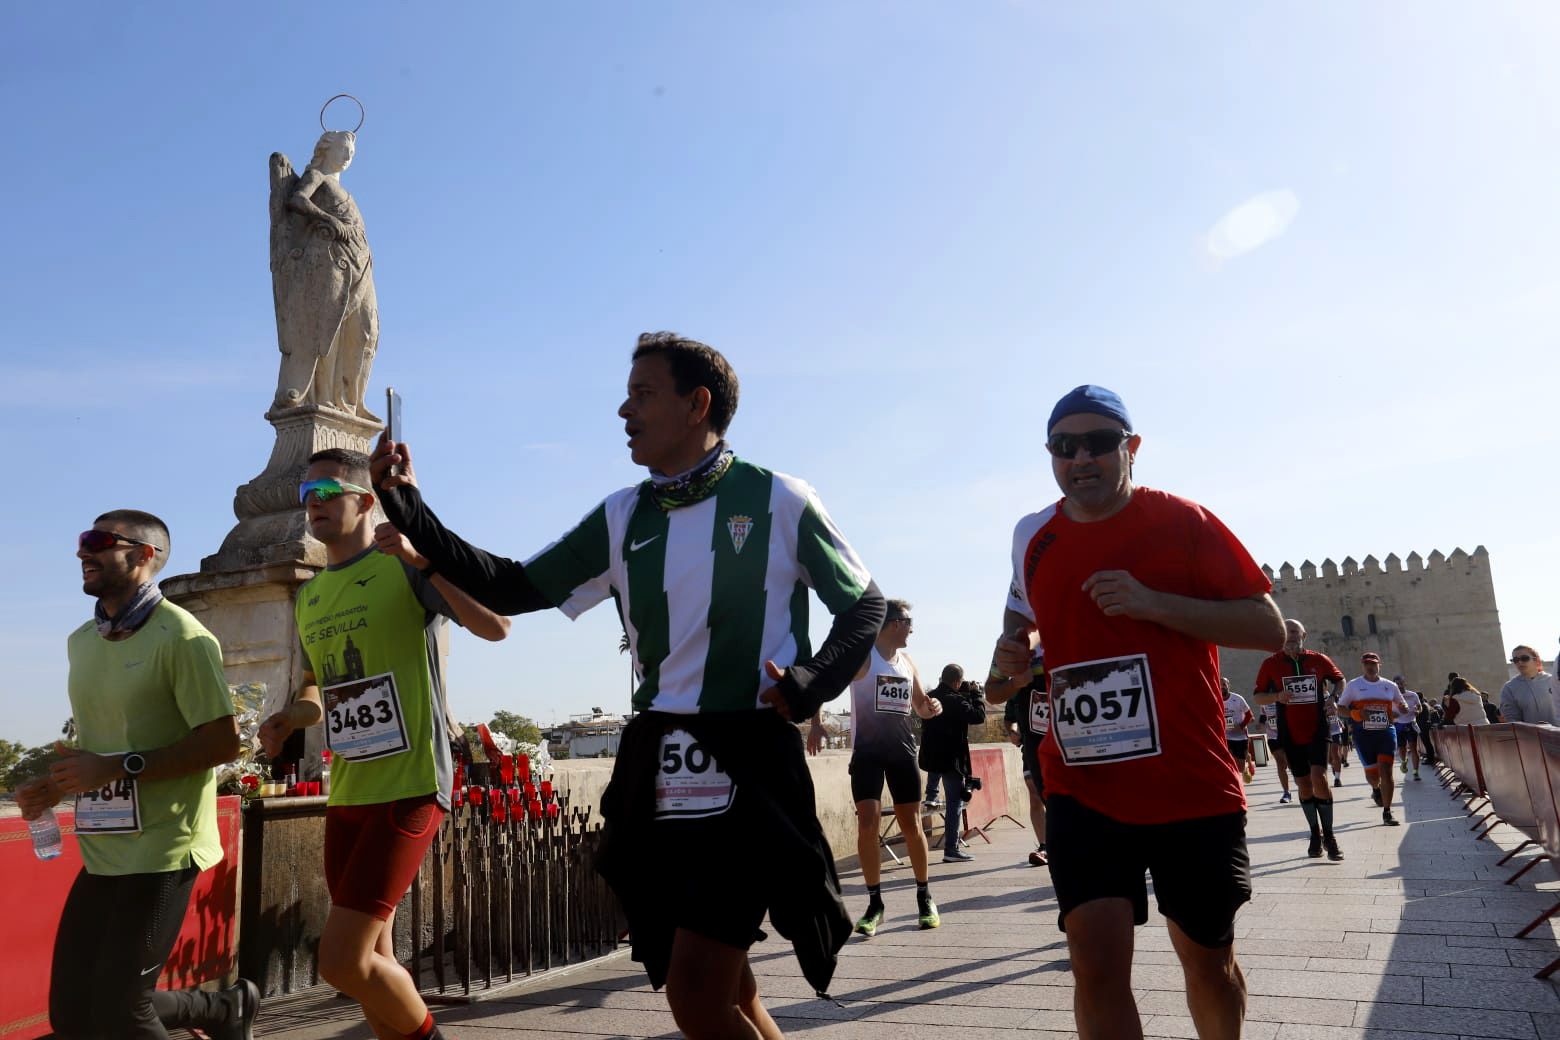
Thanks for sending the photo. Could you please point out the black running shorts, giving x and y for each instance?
(1200, 869)
(869, 770)
(1029, 755)
(1303, 757)
(705, 869)
(1238, 749)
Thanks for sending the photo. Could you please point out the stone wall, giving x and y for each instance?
(1425, 617)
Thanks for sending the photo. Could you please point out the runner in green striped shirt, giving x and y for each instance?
(711, 821)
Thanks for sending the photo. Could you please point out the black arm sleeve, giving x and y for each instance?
(496, 582)
(807, 684)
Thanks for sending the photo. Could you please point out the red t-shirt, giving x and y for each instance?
(1299, 723)
(1137, 714)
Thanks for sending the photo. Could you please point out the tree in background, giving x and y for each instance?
(516, 727)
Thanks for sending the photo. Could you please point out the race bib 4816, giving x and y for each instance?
(893, 694)
(1103, 711)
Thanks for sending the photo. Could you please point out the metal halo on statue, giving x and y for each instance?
(362, 112)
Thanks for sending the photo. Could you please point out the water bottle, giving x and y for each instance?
(45, 835)
(325, 757)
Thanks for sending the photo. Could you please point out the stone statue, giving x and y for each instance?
(322, 279)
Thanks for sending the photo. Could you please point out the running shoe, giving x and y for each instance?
(868, 925)
(1334, 853)
(1416, 774)
(247, 995)
(1337, 780)
(1284, 800)
(957, 856)
(929, 918)
(1388, 820)
(1314, 850)
(931, 805)
(1038, 858)
(1403, 766)
(1375, 795)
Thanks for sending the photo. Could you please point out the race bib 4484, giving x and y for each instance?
(114, 808)
(1103, 711)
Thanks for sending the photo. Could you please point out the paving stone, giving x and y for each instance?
(1514, 1025)
(1532, 995)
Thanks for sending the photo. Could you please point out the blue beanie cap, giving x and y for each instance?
(1092, 400)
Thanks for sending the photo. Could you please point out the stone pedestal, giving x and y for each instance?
(244, 592)
(271, 525)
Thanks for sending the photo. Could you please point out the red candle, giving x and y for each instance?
(459, 798)
(524, 762)
(506, 769)
(547, 790)
(499, 811)
(552, 810)
(475, 794)
(536, 810)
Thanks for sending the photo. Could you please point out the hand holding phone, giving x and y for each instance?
(393, 429)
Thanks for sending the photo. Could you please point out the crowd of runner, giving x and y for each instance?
(1135, 750)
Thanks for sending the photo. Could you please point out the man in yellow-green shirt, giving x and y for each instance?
(154, 719)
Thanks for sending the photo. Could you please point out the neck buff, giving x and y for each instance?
(695, 485)
(134, 614)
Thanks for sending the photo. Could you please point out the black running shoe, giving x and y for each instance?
(1334, 853)
(1314, 850)
(1375, 795)
(1388, 820)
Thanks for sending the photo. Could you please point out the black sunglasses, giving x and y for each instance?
(1095, 442)
(1521, 659)
(96, 541)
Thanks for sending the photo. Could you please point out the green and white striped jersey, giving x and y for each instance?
(707, 593)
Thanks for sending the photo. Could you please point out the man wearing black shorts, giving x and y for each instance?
(1297, 680)
(1028, 719)
(1131, 591)
(882, 697)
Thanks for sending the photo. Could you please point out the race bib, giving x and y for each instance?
(893, 694)
(1231, 722)
(114, 808)
(1376, 718)
(363, 719)
(1301, 688)
(1103, 711)
(1039, 713)
(689, 783)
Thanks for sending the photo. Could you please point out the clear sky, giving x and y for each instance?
(1314, 246)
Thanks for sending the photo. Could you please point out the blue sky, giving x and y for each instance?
(1315, 247)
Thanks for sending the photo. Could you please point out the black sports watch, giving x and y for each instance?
(133, 764)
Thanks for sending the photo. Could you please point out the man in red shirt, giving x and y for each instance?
(1131, 591)
(1297, 680)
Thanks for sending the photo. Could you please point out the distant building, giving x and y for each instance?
(1424, 617)
(593, 735)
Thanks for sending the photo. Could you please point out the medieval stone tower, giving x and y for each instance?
(1424, 617)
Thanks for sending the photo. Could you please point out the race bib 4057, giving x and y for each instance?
(1103, 711)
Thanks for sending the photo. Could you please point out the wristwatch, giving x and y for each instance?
(133, 764)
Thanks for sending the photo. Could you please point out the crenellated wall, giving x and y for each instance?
(1431, 616)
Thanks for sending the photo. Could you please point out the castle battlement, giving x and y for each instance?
(1425, 615)
(1288, 575)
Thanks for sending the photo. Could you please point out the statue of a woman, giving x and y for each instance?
(327, 317)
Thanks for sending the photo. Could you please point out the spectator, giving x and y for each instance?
(1530, 697)
(945, 749)
(1466, 704)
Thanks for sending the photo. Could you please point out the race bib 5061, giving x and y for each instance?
(689, 783)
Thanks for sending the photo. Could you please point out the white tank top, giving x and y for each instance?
(880, 706)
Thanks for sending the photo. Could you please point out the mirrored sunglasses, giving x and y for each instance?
(327, 489)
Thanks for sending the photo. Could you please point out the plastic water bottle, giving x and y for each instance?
(325, 757)
(45, 835)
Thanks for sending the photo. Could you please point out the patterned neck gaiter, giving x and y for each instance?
(133, 616)
(696, 485)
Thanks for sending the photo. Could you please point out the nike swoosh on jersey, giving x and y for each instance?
(364, 581)
(636, 546)
(153, 968)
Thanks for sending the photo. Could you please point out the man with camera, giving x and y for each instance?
(945, 749)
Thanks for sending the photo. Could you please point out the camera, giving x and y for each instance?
(973, 783)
